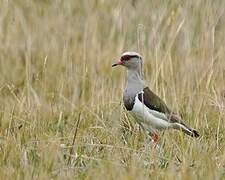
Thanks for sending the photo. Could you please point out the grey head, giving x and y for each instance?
(130, 60)
(135, 84)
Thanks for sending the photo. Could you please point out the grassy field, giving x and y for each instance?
(61, 112)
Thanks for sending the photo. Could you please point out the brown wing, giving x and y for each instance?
(152, 101)
(175, 118)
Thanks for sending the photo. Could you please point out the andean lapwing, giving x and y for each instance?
(147, 108)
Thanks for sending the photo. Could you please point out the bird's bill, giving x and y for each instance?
(117, 63)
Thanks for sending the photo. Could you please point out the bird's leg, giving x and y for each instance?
(155, 139)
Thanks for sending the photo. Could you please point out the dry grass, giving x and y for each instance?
(55, 65)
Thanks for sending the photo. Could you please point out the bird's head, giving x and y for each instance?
(130, 60)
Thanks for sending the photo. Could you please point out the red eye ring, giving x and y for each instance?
(125, 58)
(128, 57)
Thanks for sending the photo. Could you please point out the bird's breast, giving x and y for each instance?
(128, 102)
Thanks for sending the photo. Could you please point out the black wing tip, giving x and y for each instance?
(195, 133)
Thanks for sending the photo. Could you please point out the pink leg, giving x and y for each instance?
(155, 139)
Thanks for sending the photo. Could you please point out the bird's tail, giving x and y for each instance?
(187, 130)
(178, 124)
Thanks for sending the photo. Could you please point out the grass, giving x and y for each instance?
(55, 70)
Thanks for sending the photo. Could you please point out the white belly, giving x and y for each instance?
(149, 118)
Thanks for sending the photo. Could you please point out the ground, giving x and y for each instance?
(61, 111)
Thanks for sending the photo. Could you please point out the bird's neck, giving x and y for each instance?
(134, 75)
(135, 78)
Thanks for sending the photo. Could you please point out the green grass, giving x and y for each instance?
(55, 69)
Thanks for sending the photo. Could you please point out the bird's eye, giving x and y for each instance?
(128, 57)
(125, 58)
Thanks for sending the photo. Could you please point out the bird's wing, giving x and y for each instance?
(152, 101)
(175, 118)
(157, 105)
(159, 109)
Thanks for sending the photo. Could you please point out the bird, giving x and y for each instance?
(148, 109)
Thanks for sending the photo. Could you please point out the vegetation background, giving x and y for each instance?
(61, 115)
